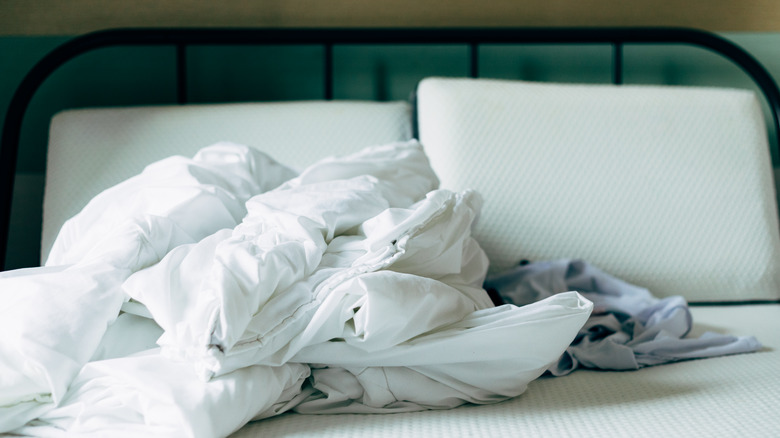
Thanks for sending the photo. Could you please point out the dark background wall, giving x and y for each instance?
(132, 76)
(56, 17)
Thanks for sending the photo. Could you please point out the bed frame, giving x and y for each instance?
(181, 39)
(734, 395)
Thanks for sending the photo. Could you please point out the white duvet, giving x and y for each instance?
(208, 292)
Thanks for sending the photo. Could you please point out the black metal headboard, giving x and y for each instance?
(328, 38)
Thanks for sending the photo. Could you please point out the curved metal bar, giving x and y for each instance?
(180, 38)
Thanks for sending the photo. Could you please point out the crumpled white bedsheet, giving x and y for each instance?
(352, 287)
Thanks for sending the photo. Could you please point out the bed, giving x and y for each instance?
(668, 187)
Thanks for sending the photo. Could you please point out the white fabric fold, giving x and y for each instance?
(488, 356)
(149, 395)
(199, 195)
(237, 297)
(53, 317)
(359, 268)
(44, 346)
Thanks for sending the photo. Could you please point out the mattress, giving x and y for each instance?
(93, 149)
(726, 396)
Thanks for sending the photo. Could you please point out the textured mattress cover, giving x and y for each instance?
(667, 187)
(727, 396)
(93, 149)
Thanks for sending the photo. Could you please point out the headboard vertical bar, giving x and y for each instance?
(474, 60)
(328, 71)
(617, 63)
(181, 73)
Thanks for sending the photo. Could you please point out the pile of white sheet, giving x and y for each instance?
(208, 292)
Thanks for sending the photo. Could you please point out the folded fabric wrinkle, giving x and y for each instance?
(355, 286)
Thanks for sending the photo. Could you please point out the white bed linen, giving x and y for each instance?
(93, 149)
(718, 397)
(148, 395)
(197, 195)
(55, 316)
(42, 351)
(488, 356)
(358, 265)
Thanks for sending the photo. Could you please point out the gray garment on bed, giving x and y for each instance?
(629, 327)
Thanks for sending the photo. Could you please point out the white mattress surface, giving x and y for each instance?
(720, 397)
(93, 149)
(669, 188)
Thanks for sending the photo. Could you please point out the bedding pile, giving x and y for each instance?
(205, 293)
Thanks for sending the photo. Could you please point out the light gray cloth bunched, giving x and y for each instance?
(629, 327)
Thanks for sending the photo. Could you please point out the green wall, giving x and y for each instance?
(132, 75)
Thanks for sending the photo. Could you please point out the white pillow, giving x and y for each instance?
(93, 149)
(669, 188)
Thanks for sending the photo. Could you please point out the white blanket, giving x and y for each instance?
(353, 287)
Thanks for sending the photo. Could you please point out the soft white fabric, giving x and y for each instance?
(359, 265)
(148, 395)
(43, 345)
(197, 195)
(669, 188)
(54, 317)
(93, 149)
(128, 334)
(487, 356)
(257, 285)
(699, 398)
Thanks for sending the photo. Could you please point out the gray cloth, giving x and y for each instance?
(629, 327)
